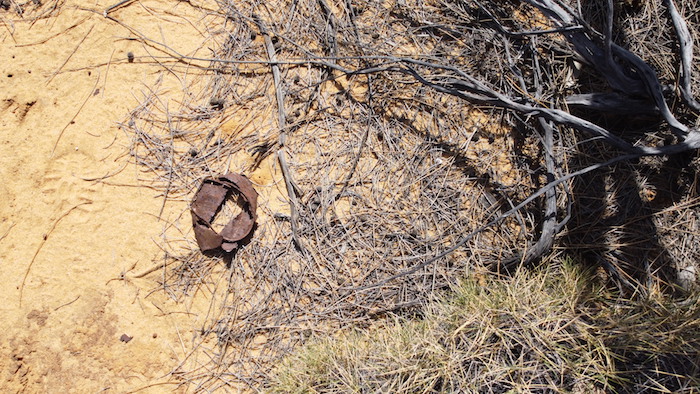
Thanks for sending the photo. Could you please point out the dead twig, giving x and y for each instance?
(282, 124)
(685, 42)
(41, 245)
(8, 231)
(90, 94)
(113, 7)
(58, 70)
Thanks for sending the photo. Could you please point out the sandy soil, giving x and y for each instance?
(65, 241)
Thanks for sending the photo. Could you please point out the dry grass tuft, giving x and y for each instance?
(551, 329)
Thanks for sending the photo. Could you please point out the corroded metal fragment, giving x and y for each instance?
(208, 201)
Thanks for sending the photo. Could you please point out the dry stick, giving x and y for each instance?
(550, 227)
(46, 13)
(509, 33)
(584, 46)
(115, 6)
(172, 54)
(607, 37)
(282, 121)
(10, 28)
(71, 55)
(90, 94)
(8, 231)
(331, 38)
(497, 220)
(559, 115)
(294, 217)
(41, 245)
(685, 43)
(654, 89)
(149, 270)
(170, 164)
(53, 36)
(66, 304)
(588, 50)
(109, 64)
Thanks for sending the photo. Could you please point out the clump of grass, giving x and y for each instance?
(552, 329)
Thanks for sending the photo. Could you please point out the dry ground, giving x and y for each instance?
(390, 173)
(65, 241)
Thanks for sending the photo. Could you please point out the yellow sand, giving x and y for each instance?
(65, 82)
